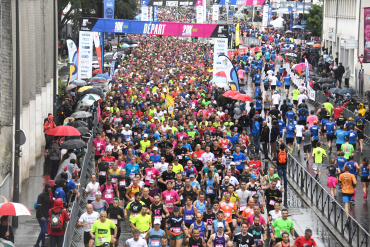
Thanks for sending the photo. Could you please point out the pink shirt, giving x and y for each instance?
(170, 197)
(151, 173)
(241, 73)
(311, 119)
(181, 135)
(108, 193)
(251, 222)
(99, 145)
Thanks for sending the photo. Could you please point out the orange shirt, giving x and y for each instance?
(228, 209)
(347, 180)
(247, 211)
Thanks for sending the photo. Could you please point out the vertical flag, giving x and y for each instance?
(307, 71)
(170, 103)
(270, 14)
(290, 10)
(98, 51)
(109, 14)
(216, 12)
(85, 55)
(73, 60)
(155, 14)
(265, 15)
(237, 34)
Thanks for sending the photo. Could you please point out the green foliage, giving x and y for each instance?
(125, 9)
(314, 19)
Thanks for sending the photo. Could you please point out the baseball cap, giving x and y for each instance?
(98, 193)
(183, 173)
(350, 118)
(155, 149)
(109, 178)
(219, 224)
(157, 222)
(232, 163)
(255, 155)
(276, 91)
(151, 181)
(176, 209)
(127, 125)
(227, 150)
(181, 128)
(176, 158)
(254, 176)
(275, 176)
(145, 135)
(192, 175)
(256, 195)
(209, 206)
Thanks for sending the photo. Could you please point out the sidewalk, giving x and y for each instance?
(28, 228)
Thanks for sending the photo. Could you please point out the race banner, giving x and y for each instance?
(366, 35)
(73, 60)
(270, 14)
(98, 51)
(85, 55)
(240, 2)
(237, 34)
(109, 14)
(265, 16)
(290, 10)
(170, 3)
(155, 28)
(216, 12)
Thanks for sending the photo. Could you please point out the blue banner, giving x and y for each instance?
(290, 9)
(270, 14)
(155, 13)
(109, 14)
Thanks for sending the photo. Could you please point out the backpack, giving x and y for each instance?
(57, 221)
(282, 157)
(114, 189)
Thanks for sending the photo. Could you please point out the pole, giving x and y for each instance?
(17, 113)
(55, 55)
(304, 27)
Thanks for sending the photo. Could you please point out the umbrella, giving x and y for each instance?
(78, 124)
(81, 114)
(291, 55)
(103, 76)
(14, 209)
(288, 31)
(86, 103)
(316, 45)
(82, 89)
(79, 83)
(94, 90)
(230, 93)
(301, 66)
(242, 97)
(63, 130)
(97, 80)
(347, 90)
(334, 90)
(83, 130)
(6, 243)
(91, 96)
(219, 79)
(221, 73)
(325, 80)
(297, 27)
(72, 144)
(71, 86)
(327, 85)
(223, 85)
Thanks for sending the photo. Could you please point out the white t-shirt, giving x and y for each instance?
(275, 99)
(273, 80)
(269, 73)
(126, 134)
(89, 219)
(161, 167)
(301, 97)
(233, 181)
(94, 188)
(274, 215)
(132, 243)
(299, 130)
(207, 156)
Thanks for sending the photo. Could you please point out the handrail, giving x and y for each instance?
(351, 231)
(75, 209)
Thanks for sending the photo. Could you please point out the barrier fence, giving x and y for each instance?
(350, 230)
(87, 166)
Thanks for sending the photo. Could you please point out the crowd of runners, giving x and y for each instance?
(196, 176)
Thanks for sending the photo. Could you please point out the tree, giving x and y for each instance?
(125, 9)
(314, 19)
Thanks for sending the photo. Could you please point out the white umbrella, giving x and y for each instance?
(6, 243)
(91, 96)
(79, 83)
(14, 209)
(71, 86)
(223, 85)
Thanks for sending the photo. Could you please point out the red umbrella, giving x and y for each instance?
(96, 71)
(221, 73)
(14, 209)
(242, 97)
(230, 93)
(63, 130)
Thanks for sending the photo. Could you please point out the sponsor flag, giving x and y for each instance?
(98, 51)
(170, 104)
(290, 10)
(307, 71)
(73, 60)
(237, 35)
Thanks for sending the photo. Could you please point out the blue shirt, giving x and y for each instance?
(256, 129)
(287, 80)
(233, 139)
(290, 115)
(272, 66)
(258, 104)
(59, 193)
(281, 69)
(340, 134)
(71, 185)
(315, 132)
(353, 169)
(340, 162)
(257, 78)
(329, 127)
(267, 55)
(132, 169)
(239, 157)
(349, 124)
(155, 158)
(302, 113)
(352, 135)
(259, 64)
(281, 126)
(258, 91)
(290, 131)
(365, 171)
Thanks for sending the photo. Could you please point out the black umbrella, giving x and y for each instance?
(78, 124)
(72, 144)
(83, 130)
(95, 90)
(81, 114)
(327, 85)
(326, 80)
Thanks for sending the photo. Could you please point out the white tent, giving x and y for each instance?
(278, 22)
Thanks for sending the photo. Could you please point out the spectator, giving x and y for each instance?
(346, 76)
(71, 186)
(56, 227)
(6, 231)
(42, 209)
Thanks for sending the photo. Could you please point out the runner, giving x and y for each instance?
(281, 225)
(332, 172)
(101, 231)
(86, 220)
(155, 234)
(365, 177)
(318, 154)
(218, 239)
(136, 240)
(175, 227)
(348, 182)
(244, 238)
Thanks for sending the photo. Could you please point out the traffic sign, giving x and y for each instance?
(361, 59)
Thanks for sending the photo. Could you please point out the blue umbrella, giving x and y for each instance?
(103, 75)
(335, 90)
(297, 27)
(347, 90)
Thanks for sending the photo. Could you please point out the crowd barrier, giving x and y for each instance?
(350, 230)
(251, 41)
(87, 167)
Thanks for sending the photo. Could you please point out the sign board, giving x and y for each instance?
(85, 55)
(170, 3)
(349, 44)
(145, 13)
(216, 13)
(331, 34)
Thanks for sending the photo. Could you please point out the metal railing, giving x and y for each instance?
(78, 203)
(350, 230)
(251, 41)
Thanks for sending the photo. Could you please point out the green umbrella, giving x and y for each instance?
(92, 96)
(6, 243)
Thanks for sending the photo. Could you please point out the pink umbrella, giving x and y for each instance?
(221, 73)
(242, 97)
(230, 93)
(14, 209)
(301, 66)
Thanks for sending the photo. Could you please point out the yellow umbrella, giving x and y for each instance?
(84, 88)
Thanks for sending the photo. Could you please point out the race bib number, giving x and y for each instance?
(132, 175)
(158, 218)
(209, 228)
(102, 240)
(154, 243)
(180, 157)
(219, 245)
(114, 221)
(272, 202)
(114, 180)
(209, 191)
(242, 208)
(188, 217)
(108, 196)
(143, 234)
(227, 215)
(108, 131)
(281, 232)
(176, 229)
(103, 173)
(168, 198)
(134, 215)
(122, 183)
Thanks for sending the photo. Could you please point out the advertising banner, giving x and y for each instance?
(155, 28)
(237, 34)
(366, 35)
(219, 49)
(98, 51)
(290, 10)
(145, 13)
(73, 60)
(170, 3)
(85, 55)
(155, 13)
(216, 12)
(270, 14)
(199, 12)
(307, 72)
(109, 14)
(241, 2)
(265, 15)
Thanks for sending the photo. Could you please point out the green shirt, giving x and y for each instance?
(144, 145)
(282, 226)
(319, 153)
(347, 149)
(102, 231)
(328, 107)
(142, 222)
(295, 93)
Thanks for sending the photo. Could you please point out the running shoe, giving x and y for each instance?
(352, 201)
